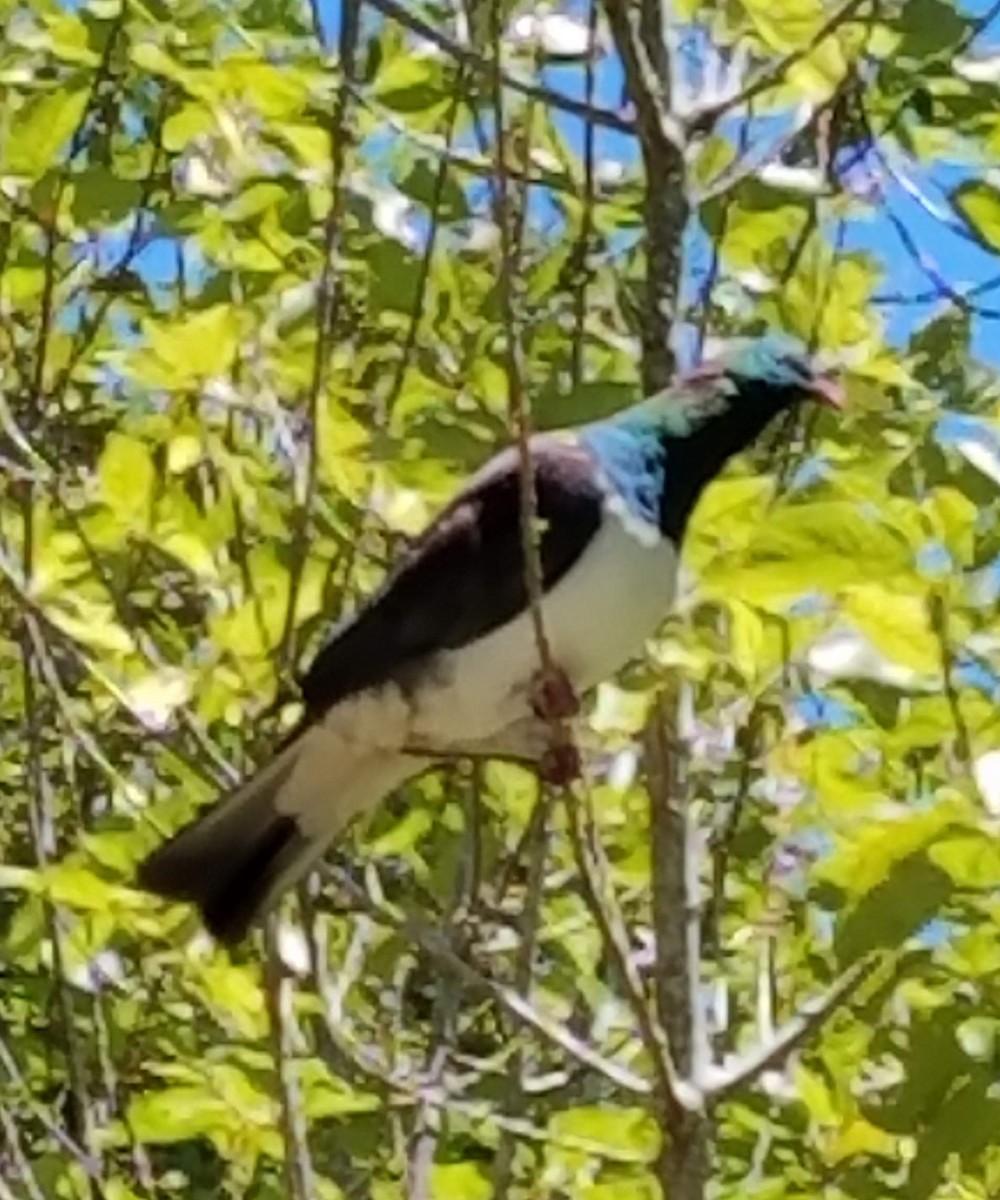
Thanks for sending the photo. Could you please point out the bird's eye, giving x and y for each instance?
(797, 369)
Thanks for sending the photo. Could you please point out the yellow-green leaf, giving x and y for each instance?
(979, 203)
(198, 346)
(127, 477)
(39, 129)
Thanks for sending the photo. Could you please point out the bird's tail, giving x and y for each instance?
(236, 860)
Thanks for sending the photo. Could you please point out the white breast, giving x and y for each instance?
(597, 618)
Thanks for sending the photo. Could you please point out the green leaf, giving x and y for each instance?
(232, 991)
(89, 622)
(156, 61)
(459, 1181)
(898, 625)
(410, 82)
(971, 860)
(100, 197)
(188, 349)
(127, 477)
(788, 26)
(402, 838)
(326, 1096)
(979, 203)
(965, 1123)
(556, 408)
(422, 184)
(914, 892)
(929, 27)
(823, 546)
(39, 130)
(873, 853)
(859, 1137)
(190, 121)
(225, 1109)
(626, 1134)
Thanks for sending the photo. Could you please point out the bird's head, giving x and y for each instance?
(770, 371)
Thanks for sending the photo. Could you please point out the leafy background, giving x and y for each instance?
(269, 276)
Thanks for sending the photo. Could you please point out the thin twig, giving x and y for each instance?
(299, 1174)
(12, 1139)
(939, 623)
(596, 890)
(721, 1082)
(430, 940)
(583, 247)
(328, 299)
(15, 1077)
(524, 972)
(447, 1005)
(703, 119)
(748, 165)
(483, 165)
(926, 265)
(518, 409)
(430, 244)
(466, 55)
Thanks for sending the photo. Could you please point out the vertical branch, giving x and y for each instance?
(939, 623)
(299, 1175)
(599, 895)
(520, 413)
(42, 814)
(327, 306)
(676, 854)
(587, 215)
(430, 245)
(447, 1002)
(725, 825)
(666, 206)
(523, 976)
(41, 820)
(676, 850)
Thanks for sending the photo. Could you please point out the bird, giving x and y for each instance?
(443, 658)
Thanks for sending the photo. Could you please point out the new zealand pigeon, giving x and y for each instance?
(443, 657)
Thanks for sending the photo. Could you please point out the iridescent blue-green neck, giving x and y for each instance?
(661, 453)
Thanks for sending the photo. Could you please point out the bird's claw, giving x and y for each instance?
(552, 696)
(560, 765)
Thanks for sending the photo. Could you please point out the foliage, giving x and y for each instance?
(252, 333)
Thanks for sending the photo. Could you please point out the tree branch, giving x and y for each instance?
(674, 1091)
(327, 307)
(665, 206)
(676, 860)
(430, 940)
(466, 55)
(524, 973)
(299, 1174)
(703, 119)
(939, 623)
(648, 89)
(518, 407)
(720, 1082)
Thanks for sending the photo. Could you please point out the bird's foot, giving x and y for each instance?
(552, 695)
(560, 765)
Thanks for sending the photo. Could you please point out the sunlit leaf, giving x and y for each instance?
(40, 129)
(979, 203)
(127, 476)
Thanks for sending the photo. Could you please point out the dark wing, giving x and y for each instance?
(464, 576)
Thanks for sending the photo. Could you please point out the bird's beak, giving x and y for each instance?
(829, 391)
